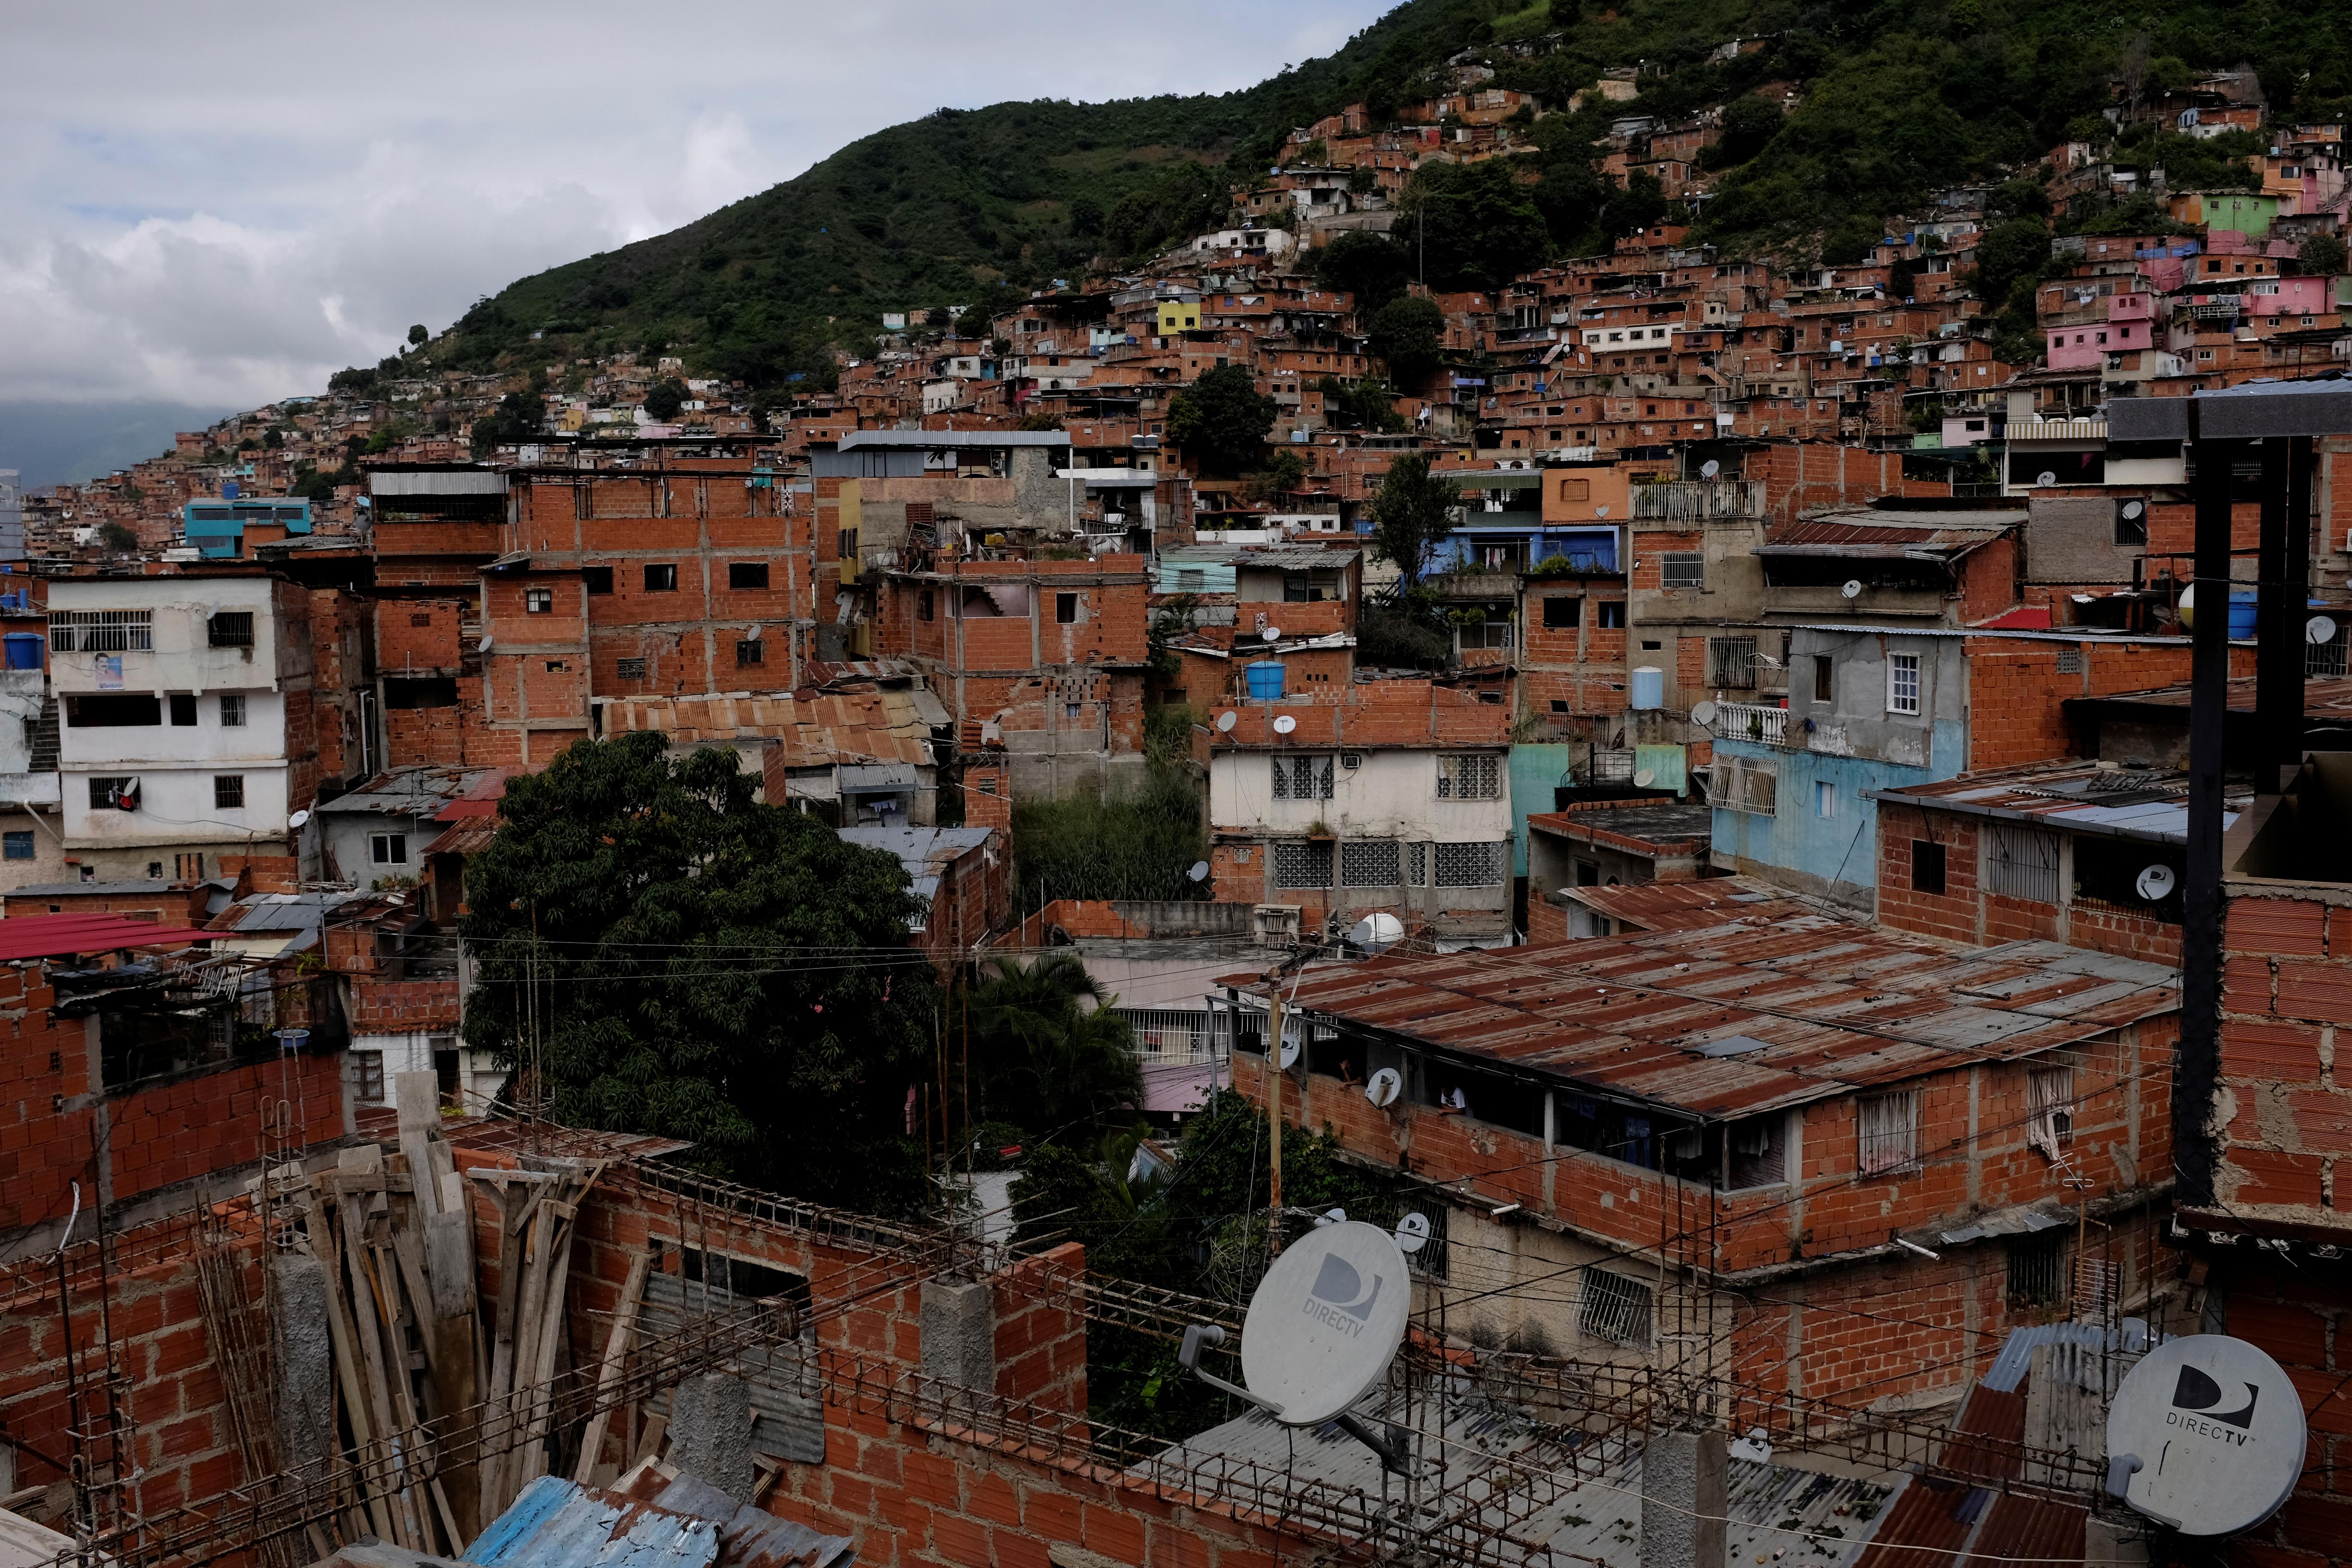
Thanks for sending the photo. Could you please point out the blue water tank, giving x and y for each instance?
(2241, 614)
(1265, 678)
(1649, 688)
(25, 649)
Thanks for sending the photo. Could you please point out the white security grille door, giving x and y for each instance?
(2023, 863)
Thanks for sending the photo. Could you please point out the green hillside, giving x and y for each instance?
(1900, 98)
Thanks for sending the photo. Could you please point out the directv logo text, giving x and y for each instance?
(2205, 1428)
(1334, 1299)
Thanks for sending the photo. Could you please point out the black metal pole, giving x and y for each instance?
(2302, 465)
(2278, 633)
(2197, 1057)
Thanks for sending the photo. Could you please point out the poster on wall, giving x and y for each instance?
(109, 672)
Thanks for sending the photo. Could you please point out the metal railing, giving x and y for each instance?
(1174, 1033)
(1751, 721)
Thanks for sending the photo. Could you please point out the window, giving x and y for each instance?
(232, 712)
(1825, 798)
(749, 651)
(155, 870)
(102, 793)
(2325, 659)
(1615, 1310)
(926, 606)
(1613, 613)
(102, 631)
(1563, 612)
(629, 668)
(1746, 783)
(230, 628)
(108, 712)
(1684, 569)
(1903, 683)
(1759, 1150)
(1430, 1260)
(2037, 1271)
(388, 848)
(746, 574)
(1473, 864)
(1731, 662)
(228, 792)
(661, 579)
(1065, 608)
(367, 1074)
(2022, 863)
(1926, 867)
(423, 620)
(598, 579)
(539, 601)
(184, 709)
(1192, 580)
(2050, 1101)
(1824, 678)
(1469, 778)
(1887, 1129)
(2131, 521)
(15, 845)
(1302, 864)
(1303, 778)
(1371, 863)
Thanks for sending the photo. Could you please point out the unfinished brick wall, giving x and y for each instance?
(2017, 690)
(1802, 474)
(1571, 672)
(2286, 987)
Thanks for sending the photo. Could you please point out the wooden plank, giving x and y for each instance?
(417, 1097)
(616, 1353)
(343, 1338)
(377, 1381)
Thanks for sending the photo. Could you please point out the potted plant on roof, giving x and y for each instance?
(1320, 829)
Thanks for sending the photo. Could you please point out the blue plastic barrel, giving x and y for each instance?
(24, 649)
(1649, 687)
(2241, 614)
(1264, 677)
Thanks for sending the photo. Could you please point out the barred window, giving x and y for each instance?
(629, 668)
(228, 792)
(2325, 659)
(2037, 1271)
(1888, 1129)
(1430, 1260)
(1682, 569)
(1731, 662)
(230, 628)
(1417, 864)
(1746, 783)
(1616, 1310)
(102, 631)
(1469, 778)
(367, 1072)
(1371, 863)
(1471, 865)
(749, 651)
(1307, 865)
(2023, 863)
(1303, 778)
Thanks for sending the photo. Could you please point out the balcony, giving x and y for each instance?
(1751, 721)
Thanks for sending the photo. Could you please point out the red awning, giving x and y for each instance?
(56, 936)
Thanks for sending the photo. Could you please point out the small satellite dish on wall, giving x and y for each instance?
(486, 643)
(1852, 588)
(298, 819)
(2046, 478)
(2318, 629)
(2133, 511)
(1226, 723)
(2155, 881)
(1284, 725)
(1411, 1231)
(1645, 779)
(1601, 511)
(1292, 1043)
(1197, 872)
(2206, 1435)
(751, 634)
(1376, 934)
(1382, 1092)
(1272, 634)
(1709, 469)
(1703, 713)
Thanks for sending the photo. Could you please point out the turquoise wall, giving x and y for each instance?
(1840, 851)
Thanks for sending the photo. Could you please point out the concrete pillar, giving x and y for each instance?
(1682, 1498)
(301, 1361)
(960, 1334)
(710, 1433)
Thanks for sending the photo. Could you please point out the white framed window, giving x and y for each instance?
(1469, 778)
(388, 848)
(1682, 569)
(1825, 798)
(1303, 778)
(102, 631)
(367, 1073)
(1615, 1310)
(539, 601)
(1887, 1133)
(1903, 683)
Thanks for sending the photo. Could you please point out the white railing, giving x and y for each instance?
(1174, 1033)
(1751, 721)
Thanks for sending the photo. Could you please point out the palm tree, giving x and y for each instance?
(1052, 1056)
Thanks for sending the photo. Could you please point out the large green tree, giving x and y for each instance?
(1473, 225)
(1411, 513)
(688, 961)
(1052, 1058)
(1410, 335)
(1222, 420)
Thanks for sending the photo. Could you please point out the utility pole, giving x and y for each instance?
(1273, 1117)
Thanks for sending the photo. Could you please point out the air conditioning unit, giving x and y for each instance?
(1351, 759)
(1275, 925)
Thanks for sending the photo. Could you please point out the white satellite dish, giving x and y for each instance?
(1272, 634)
(1197, 872)
(1601, 511)
(1284, 725)
(751, 634)
(1383, 1089)
(1226, 723)
(1324, 1323)
(1331, 1216)
(2189, 605)
(1703, 713)
(1852, 588)
(486, 642)
(1709, 469)
(1377, 933)
(2318, 629)
(2206, 1435)
(2155, 881)
(2132, 509)
(1292, 1043)
(1645, 779)
(298, 819)
(2045, 479)
(1411, 1231)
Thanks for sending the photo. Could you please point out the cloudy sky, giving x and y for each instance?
(217, 205)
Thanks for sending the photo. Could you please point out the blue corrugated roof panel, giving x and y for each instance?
(555, 1525)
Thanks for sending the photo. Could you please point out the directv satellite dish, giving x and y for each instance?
(1852, 588)
(1284, 725)
(2318, 629)
(2206, 1435)
(298, 819)
(1645, 779)
(2132, 509)
(1327, 1321)
(1382, 1092)
(2046, 478)
(2155, 882)
(1226, 723)
(1376, 934)
(1272, 634)
(1331, 1216)
(1703, 713)
(1709, 469)
(1198, 872)
(1411, 1231)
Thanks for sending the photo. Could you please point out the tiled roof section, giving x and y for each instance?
(1838, 1007)
(814, 728)
(481, 797)
(469, 836)
(1380, 713)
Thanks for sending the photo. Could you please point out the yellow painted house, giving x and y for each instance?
(1179, 316)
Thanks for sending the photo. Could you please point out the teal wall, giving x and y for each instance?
(1538, 767)
(1830, 856)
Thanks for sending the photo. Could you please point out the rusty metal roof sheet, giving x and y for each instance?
(1685, 905)
(1838, 1007)
(814, 728)
(2081, 797)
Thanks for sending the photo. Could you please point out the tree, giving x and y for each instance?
(1222, 420)
(1411, 513)
(517, 418)
(1086, 216)
(2321, 255)
(117, 539)
(1478, 224)
(354, 379)
(697, 965)
(1286, 472)
(2014, 250)
(1052, 1058)
(1363, 180)
(1749, 123)
(1410, 335)
(1372, 266)
(418, 336)
(664, 400)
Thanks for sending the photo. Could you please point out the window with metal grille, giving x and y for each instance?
(1887, 1130)
(2325, 658)
(747, 574)
(1731, 662)
(1307, 865)
(1746, 783)
(228, 792)
(1903, 683)
(1303, 778)
(2022, 863)
(230, 628)
(1615, 1310)
(629, 668)
(2037, 1271)
(1469, 778)
(1416, 864)
(1371, 863)
(1431, 1259)
(749, 651)
(1470, 865)
(2050, 1103)
(102, 791)
(102, 631)
(367, 1074)
(1682, 569)
(1926, 867)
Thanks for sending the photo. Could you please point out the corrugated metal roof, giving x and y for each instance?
(1686, 906)
(813, 728)
(657, 1521)
(2113, 803)
(1840, 1006)
(408, 791)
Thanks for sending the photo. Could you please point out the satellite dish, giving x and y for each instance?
(2189, 605)
(1709, 469)
(1226, 723)
(1852, 589)
(2155, 881)
(2318, 629)
(1601, 511)
(1377, 933)
(1284, 725)
(1411, 1231)
(1382, 1092)
(1197, 872)
(298, 819)
(2045, 479)
(486, 642)
(1703, 713)
(1756, 1446)
(1326, 1322)
(2206, 1435)
(2132, 511)
(1331, 1216)
(1645, 779)
(1272, 634)
(753, 635)
(1292, 1043)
